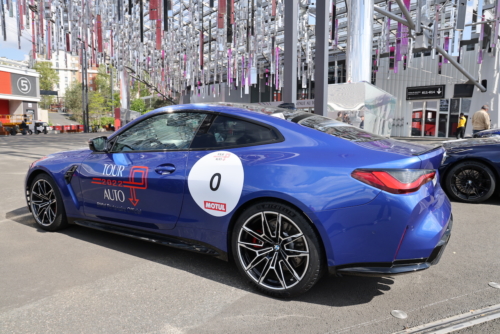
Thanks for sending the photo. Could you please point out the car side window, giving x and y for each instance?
(232, 132)
(173, 131)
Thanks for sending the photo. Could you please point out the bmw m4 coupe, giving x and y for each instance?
(288, 195)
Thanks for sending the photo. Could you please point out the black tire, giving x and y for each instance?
(37, 132)
(281, 267)
(30, 132)
(470, 182)
(46, 204)
(13, 132)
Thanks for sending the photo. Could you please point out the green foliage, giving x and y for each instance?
(101, 106)
(46, 101)
(138, 105)
(107, 120)
(96, 108)
(73, 101)
(48, 76)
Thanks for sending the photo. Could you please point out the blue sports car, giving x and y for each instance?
(471, 169)
(288, 195)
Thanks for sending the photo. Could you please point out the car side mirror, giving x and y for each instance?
(99, 144)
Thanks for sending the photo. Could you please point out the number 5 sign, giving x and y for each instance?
(24, 85)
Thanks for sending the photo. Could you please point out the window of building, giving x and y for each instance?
(470, 47)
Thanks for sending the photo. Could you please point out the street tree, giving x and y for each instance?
(48, 79)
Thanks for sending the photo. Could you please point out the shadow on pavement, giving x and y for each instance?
(329, 291)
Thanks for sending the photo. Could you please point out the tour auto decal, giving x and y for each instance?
(137, 180)
(216, 182)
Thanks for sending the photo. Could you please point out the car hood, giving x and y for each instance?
(472, 142)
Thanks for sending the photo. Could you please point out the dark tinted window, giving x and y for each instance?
(163, 132)
(232, 132)
(338, 129)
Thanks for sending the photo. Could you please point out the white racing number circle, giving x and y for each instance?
(216, 182)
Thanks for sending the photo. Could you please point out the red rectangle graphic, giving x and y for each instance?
(215, 206)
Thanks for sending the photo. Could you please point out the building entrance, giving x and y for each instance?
(425, 119)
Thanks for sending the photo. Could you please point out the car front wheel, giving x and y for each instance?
(277, 249)
(470, 181)
(46, 204)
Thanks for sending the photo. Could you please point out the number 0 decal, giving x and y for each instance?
(216, 182)
(216, 175)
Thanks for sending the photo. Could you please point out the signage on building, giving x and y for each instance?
(17, 84)
(425, 92)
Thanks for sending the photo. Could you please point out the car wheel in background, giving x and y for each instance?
(37, 132)
(46, 204)
(276, 248)
(470, 181)
(30, 132)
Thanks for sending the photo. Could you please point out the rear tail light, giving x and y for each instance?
(395, 181)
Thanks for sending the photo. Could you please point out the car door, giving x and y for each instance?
(140, 181)
(221, 160)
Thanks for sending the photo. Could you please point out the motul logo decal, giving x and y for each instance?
(215, 206)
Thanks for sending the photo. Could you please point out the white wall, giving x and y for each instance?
(423, 71)
(16, 107)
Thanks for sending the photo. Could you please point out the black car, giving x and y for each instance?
(470, 170)
(487, 133)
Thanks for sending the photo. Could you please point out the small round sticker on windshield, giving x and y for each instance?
(216, 182)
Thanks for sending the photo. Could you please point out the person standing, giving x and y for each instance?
(362, 124)
(481, 120)
(461, 126)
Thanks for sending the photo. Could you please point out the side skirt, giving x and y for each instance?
(166, 240)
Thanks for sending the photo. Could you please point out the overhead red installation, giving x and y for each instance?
(222, 12)
(99, 33)
(157, 16)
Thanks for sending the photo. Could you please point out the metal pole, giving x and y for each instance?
(84, 118)
(406, 13)
(291, 39)
(460, 68)
(359, 47)
(392, 16)
(111, 85)
(321, 58)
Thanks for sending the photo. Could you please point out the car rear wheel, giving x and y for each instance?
(30, 132)
(277, 249)
(46, 204)
(470, 181)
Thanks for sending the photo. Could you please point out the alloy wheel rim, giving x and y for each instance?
(43, 202)
(273, 250)
(470, 183)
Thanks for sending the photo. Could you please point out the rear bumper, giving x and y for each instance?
(396, 267)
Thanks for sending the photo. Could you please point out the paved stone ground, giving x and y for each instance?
(85, 281)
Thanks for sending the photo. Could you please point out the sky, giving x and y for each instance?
(9, 48)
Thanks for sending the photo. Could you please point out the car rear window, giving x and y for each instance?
(233, 132)
(338, 129)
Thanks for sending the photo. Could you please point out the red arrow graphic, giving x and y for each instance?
(133, 198)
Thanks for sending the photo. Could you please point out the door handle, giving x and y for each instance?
(164, 170)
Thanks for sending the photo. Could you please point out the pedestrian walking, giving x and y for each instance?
(481, 120)
(461, 126)
(362, 124)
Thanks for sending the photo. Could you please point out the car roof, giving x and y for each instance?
(237, 109)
